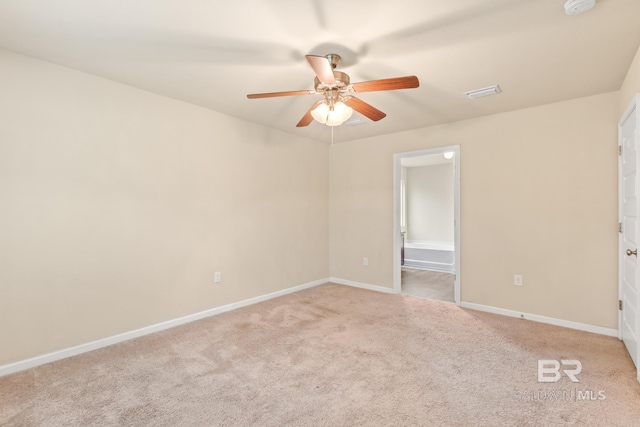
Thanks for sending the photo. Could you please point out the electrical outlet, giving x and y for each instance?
(365, 261)
(517, 279)
(217, 278)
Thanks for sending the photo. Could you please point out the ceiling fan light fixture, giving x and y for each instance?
(320, 113)
(332, 116)
(337, 107)
(342, 111)
(333, 120)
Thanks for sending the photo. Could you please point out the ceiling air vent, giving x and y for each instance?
(354, 121)
(574, 7)
(486, 91)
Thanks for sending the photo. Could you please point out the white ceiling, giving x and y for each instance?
(213, 53)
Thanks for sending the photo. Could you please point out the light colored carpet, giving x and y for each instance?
(428, 284)
(332, 356)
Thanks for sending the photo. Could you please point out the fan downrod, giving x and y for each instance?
(333, 59)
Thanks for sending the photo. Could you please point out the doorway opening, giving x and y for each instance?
(427, 223)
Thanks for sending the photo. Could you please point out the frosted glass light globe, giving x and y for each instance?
(320, 113)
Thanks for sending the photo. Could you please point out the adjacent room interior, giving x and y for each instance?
(427, 226)
(180, 246)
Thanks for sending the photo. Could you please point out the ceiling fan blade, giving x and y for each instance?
(322, 68)
(408, 82)
(365, 109)
(274, 94)
(308, 118)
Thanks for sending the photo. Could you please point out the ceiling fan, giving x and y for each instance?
(337, 105)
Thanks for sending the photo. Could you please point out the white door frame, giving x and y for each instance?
(633, 108)
(397, 237)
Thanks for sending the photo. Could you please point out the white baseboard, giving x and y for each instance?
(542, 319)
(361, 285)
(94, 345)
(428, 265)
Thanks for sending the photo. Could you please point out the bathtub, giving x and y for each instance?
(435, 256)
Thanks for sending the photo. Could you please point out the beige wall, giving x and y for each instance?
(430, 203)
(538, 198)
(631, 84)
(117, 206)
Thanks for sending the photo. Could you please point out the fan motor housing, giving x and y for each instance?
(342, 81)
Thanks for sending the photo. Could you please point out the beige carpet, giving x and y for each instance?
(332, 356)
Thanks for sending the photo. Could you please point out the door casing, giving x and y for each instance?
(397, 238)
(632, 109)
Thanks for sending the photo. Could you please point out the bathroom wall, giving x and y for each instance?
(430, 209)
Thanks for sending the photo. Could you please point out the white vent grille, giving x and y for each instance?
(574, 7)
(485, 91)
